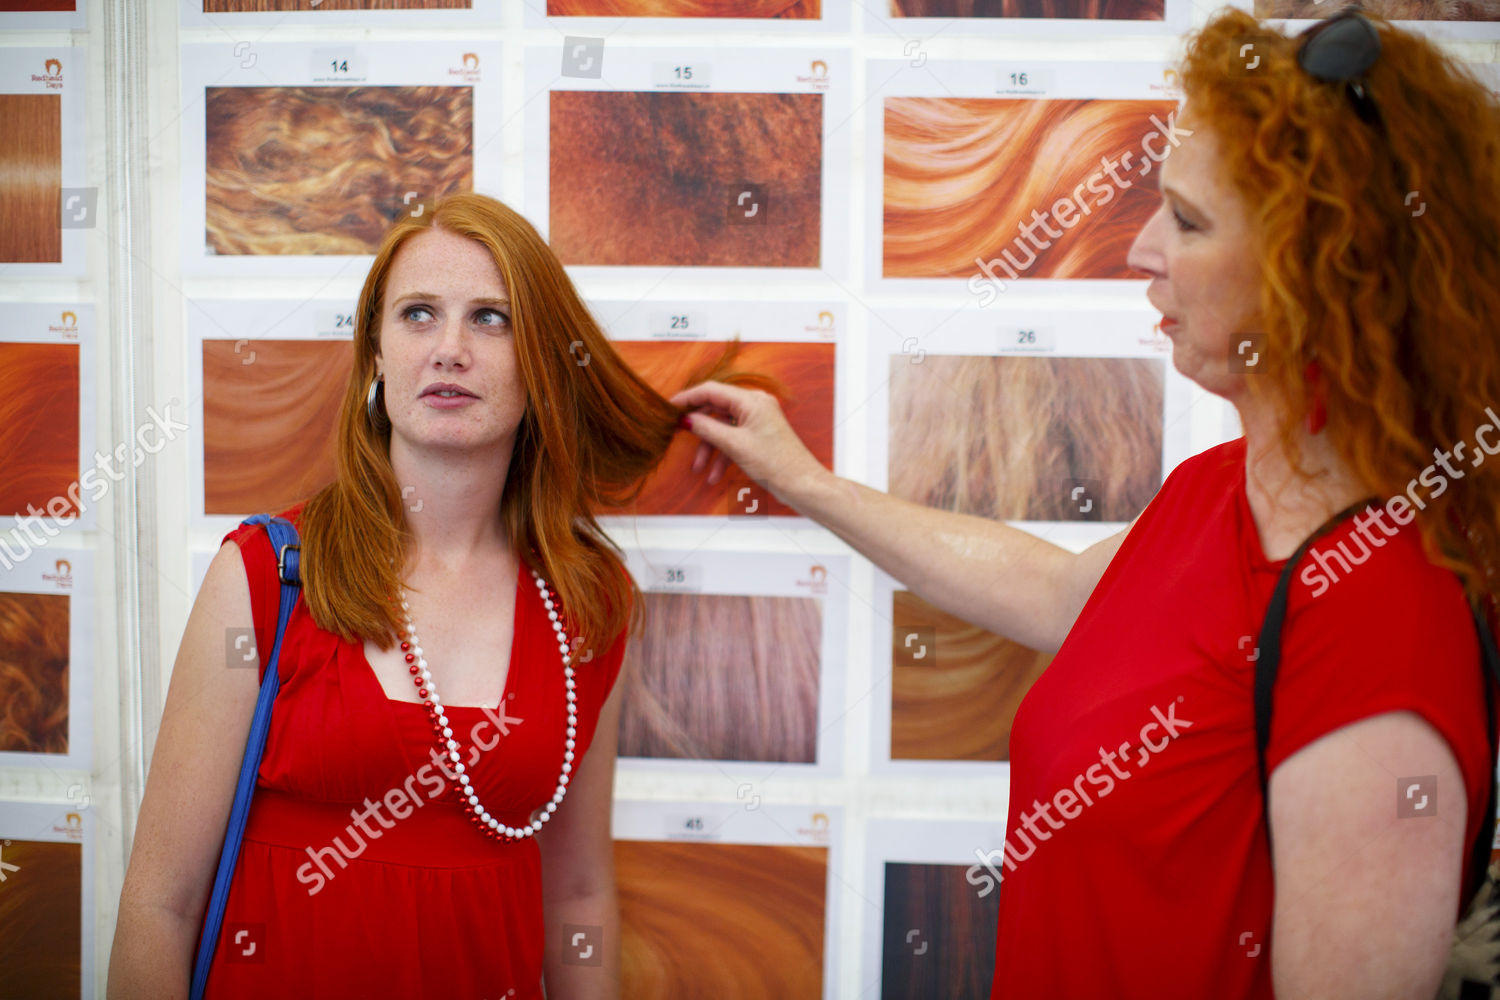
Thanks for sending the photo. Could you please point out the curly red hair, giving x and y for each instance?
(34, 673)
(1378, 247)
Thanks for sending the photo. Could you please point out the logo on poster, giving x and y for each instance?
(818, 831)
(51, 75)
(817, 580)
(818, 79)
(64, 575)
(72, 827)
(825, 324)
(68, 326)
(469, 71)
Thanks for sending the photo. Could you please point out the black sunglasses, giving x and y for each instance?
(1342, 49)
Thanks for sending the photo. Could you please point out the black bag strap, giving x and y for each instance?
(1268, 663)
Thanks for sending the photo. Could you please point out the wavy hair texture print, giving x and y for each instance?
(724, 677)
(963, 175)
(34, 664)
(721, 920)
(959, 700)
(789, 9)
(805, 374)
(1104, 10)
(31, 163)
(41, 924)
(270, 410)
(1395, 10)
(1013, 438)
(326, 170)
(234, 6)
(648, 178)
(952, 919)
(38, 424)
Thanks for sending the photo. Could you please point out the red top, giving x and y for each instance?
(408, 899)
(1152, 878)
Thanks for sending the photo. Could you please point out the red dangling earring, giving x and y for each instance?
(1317, 411)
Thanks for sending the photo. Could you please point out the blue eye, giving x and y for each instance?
(491, 317)
(410, 314)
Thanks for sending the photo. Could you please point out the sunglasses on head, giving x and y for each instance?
(1342, 49)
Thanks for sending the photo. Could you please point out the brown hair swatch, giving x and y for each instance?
(1027, 438)
(724, 677)
(41, 921)
(31, 163)
(649, 178)
(740, 921)
(235, 6)
(326, 170)
(686, 8)
(963, 175)
(955, 687)
(34, 673)
(39, 397)
(1111, 10)
(270, 411)
(804, 370)
(939, 935)
(1395, 10)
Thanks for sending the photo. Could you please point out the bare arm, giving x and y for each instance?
(996, 576)
(578, 875)
(1365, 898)
(185, 809)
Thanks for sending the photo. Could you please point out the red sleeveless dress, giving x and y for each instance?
(359, 875)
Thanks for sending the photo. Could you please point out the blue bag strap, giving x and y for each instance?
(286, 544)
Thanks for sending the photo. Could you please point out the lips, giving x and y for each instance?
(447, 390)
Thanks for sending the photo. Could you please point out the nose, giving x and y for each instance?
(451, 350)
(1146, 252)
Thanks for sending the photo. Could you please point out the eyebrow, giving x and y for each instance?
(435, 297)
(1177, 196)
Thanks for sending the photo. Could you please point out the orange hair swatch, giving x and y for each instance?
(963, 175)
(724, 677)
(952, 953)
(326, 170)
(728, 921)
(270, 411)
(233, 6)
(1027, 438)
(31, 164)
(804, 370)
(1113, 10)
(38, 424)
(649, 178)
(958, 698)
(686, 8)
(41, 920)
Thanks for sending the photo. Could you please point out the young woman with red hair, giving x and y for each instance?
(1325, 258)
(458, 595)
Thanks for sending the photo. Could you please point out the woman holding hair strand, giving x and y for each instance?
(1141, 859)
(474, 445)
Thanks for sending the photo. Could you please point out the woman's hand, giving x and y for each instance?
(747, 427)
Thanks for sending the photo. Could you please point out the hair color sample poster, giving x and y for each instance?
(269, 387)
(47, 902)
(742, 663)
(33, 14)
(46, 204)
(46, 658)
(605, 17)
(1072, 19)
(308, 153)
(261, 14)
(726, 900)
(666, 158)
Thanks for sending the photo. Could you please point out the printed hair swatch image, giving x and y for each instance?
(724, 677)
(270, 413)
(1103, 10)
(727, 921)
(38, 425)
(235, 6)
(806, 370)
(41, 921)
(934, 906)
(963, 177)
(1026, 438)
(798, 9)
(326, 170)
(661, 179)
(1394, 10)
(955, 687)
(34, 673)
(31, 165)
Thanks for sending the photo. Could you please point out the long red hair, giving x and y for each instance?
(590, 433)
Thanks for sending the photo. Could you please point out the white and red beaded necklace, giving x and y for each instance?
(448, 746)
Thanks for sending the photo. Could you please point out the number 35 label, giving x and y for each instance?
(683, 579)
